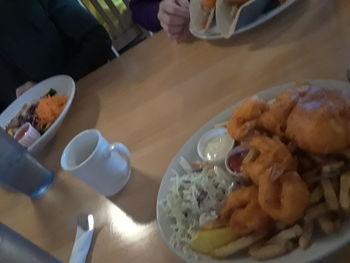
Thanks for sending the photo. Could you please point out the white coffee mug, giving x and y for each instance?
(103, 166)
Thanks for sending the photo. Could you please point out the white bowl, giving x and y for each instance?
(63, 85)
(205, 138)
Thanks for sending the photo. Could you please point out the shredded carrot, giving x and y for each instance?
(48, 109)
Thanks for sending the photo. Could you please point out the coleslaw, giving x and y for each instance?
(193, 201)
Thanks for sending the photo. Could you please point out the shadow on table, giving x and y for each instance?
(139, 197)
(82, 115)
(60, 207)
(278, 31)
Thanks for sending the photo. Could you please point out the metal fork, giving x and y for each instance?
(83, 238)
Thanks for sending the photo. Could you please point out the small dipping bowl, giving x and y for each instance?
(234, 160)
(26, 135)
(214, 145)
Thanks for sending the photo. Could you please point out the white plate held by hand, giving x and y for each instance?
(214, 32)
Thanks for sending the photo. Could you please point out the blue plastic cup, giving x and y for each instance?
(20, 171)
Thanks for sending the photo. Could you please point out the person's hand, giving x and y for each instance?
(174, 17)
(26, 86)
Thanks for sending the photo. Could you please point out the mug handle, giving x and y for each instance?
(122, 150)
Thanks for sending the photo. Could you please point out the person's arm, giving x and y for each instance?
(144, 12)
(87, 42)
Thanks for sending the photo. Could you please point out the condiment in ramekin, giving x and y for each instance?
(214, 145)
(26, 135)
(234, 160)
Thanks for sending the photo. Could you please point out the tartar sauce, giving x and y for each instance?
(218, 147)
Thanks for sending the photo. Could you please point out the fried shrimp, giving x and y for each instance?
(274, 120)
(243, 211)
(285, 198)
(270, 153)
(245, 118)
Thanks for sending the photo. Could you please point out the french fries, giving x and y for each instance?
(344, 194)
(332, 169)
(328, 225)
(327, 197)
(316, 211)
(287, 234)
(320, 212)
(305, 238)
(336, 184)
(238, 245)
(270, 250)
(329, 194)
(316, 195)
(277, 245)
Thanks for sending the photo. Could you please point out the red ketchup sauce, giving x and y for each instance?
(21, 133)
(234, 162)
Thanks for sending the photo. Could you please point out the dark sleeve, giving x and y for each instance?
(144, 12)
(11, 78)
(87, 42)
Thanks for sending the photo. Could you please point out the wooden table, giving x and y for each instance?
(153, 98)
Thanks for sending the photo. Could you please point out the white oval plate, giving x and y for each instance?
(321, 246)
(213, 32)
(63, 85)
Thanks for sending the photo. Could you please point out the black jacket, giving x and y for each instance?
(41, 38)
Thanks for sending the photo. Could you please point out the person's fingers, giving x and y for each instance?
(22, 89)
(174, 17)
(171, 20)
(160, 14)
(175, 30)
(173, 9)
(172, 29)
(172, 37)
(183, 3)
(174, 20)
(18, 92)
(175, 37)
(178, 34)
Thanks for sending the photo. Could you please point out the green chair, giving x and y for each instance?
(116, 17)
